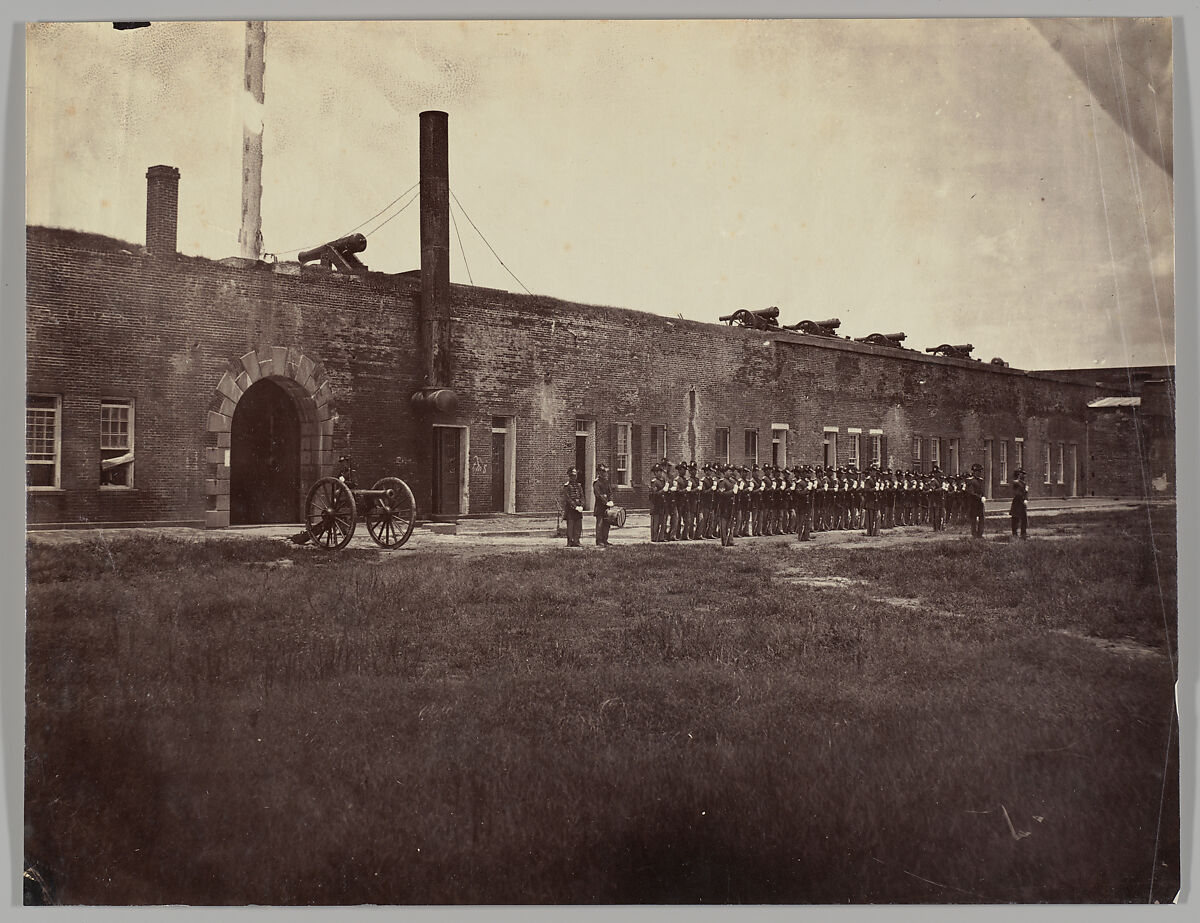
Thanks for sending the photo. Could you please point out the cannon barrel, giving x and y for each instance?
(824, 327)
(351, 243)
(962, 350)
(898, 337)
(765, 313)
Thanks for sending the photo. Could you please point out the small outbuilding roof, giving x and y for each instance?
(1116, 402)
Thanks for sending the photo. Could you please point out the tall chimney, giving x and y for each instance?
(162, 209)
(250, 235)
(435, 247)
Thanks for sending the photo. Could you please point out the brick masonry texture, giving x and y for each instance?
(107, 320)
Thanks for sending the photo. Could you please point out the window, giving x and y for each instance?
(1019, 450)
(1060, 463)
(658, 441)
(952, 458)
(829, 447)
(916, 453)
(42, 440)
(779, 445)
(1047, 463)
(116, 444)
(852, 446)
(752, 446)
(877, 450)
(723, 444)
(622, 474)
(935, 452)
(1003, 461)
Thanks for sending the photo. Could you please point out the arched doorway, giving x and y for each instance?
(264, 457)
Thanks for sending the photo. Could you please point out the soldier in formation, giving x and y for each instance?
(731, 501)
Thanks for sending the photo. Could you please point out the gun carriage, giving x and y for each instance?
(816, 328)
(335, 505)
(883, 339)
(762, 319)
(952, 352)
(338, 254)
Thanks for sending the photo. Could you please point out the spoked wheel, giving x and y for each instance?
(329, 514)
(390, 519)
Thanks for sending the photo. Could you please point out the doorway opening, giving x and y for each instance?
(450, 488)
(585, 457)
(264, 457)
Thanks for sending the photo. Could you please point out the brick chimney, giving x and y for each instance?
(162, 209)
(435, 246)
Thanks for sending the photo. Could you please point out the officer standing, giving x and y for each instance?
(1019, 511)
(975, 494)
(571, 501)
(602, 491)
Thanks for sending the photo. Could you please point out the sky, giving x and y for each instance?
(1003, 182)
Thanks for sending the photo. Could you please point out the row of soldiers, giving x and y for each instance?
(728, 501)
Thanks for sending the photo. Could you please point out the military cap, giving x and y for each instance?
(572, 470)
(602, 468)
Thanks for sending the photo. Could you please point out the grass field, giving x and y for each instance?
(237, 721)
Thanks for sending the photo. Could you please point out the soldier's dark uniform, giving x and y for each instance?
(743, 502)
(726, 491)
(870, 491)
(571, 501)
(1019, 511)
(678, 503)
(938, 494)
(693, 503)
(658, 503)
(975, 495)
(602, 493)
(707, 501)
(804, 485)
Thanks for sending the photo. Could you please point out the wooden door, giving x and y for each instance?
(447, 477)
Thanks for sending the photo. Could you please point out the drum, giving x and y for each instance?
(616, 516)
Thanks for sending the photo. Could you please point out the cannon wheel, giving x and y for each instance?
(330, 514)
(390, 520)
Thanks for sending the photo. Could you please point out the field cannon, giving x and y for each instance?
(952, 352)
(883, 339)
(816, 328)
(762, 319)
(334, 506)
(338, 254)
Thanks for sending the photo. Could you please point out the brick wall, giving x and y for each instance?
(106, 320)
(550, 362)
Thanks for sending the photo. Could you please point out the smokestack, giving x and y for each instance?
(250, 235)
(435, 246)
(162, 209)
(435, 397)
